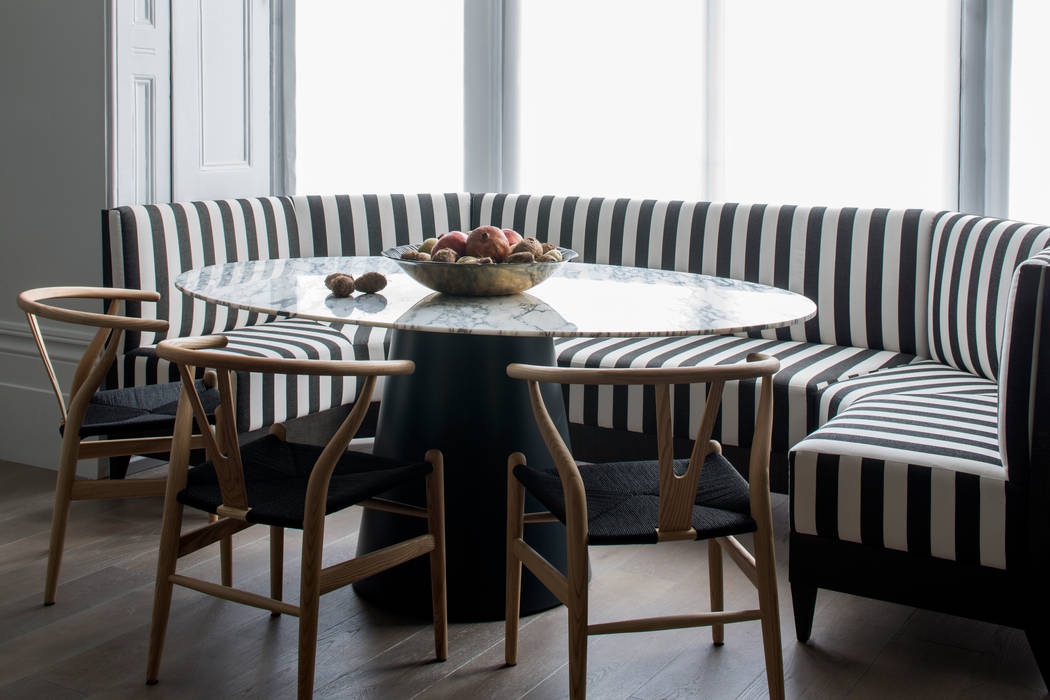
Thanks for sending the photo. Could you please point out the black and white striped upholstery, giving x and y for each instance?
(972, 264)
(147, 247)
(928, 486)
(927, 376)
(291, 396)
(867, 269)
(1024, 378)
(914, 472)
(806, 370)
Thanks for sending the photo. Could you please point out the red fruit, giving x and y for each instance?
(456, 240)
(513, 237)
(488, 242)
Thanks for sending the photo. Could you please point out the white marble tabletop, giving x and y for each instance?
(579, 300)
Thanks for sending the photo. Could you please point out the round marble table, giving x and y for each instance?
(460, 399)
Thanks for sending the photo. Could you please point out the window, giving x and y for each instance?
(807, 102)
(1029, 183)
(379, 96)
(813, 101)
(611, 98)
(839, 103)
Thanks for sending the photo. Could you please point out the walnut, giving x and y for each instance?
(548, 258)
(548, 247)
(415, 255)
(529, 245)
(485, 261)
(370, 282)
(342, 286)
(332, 277)
(521, 257)
(445, 255)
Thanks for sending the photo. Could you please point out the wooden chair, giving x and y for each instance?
(282, 484)
(134, 421)
(701, 498)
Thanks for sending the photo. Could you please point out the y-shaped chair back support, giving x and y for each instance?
(677, 497)
(88, 376)
(227, 458)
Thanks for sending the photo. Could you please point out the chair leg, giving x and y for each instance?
(167, 560)
(577, 633)
(714, 568)
(309, 603)
(769, 604)
(118, 466)
(804, 602)
(515, 529)
(225, 555)
(436, 527)
(276, 564)
(60, 518)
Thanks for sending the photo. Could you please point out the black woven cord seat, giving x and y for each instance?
(623, 499)
(140, 410)
(276, 474)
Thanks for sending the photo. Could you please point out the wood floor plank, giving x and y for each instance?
(92, 644)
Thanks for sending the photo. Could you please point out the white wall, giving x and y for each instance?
(52, 186)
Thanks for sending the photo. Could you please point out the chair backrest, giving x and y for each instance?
(101, 351)
(221, 443)
(677, 491)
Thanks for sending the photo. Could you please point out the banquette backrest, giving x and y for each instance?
(148, 246)
(923, 282)
(867, 269)
(971, 270)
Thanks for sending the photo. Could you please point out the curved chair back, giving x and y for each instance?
(677, 491)
(222, 445)
(102, 349)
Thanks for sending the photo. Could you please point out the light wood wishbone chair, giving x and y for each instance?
(134, 420)
(702, 498)
(271, 481)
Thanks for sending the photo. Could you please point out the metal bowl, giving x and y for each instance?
(493, 280)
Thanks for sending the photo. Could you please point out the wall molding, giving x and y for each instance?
(64, 345)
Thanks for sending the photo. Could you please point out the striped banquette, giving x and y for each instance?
(910, 405)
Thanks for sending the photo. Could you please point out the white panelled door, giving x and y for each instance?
(221, 123)
(141, 120)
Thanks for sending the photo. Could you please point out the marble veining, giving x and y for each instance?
(580, 300)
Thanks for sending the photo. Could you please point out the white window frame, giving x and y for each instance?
(491, 102)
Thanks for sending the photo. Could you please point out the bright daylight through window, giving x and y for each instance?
(379, 96)
(1029, 106)
(807, 102)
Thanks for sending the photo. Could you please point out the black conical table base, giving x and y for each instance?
(461, 401)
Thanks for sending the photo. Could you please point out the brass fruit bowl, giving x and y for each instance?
(492, 280)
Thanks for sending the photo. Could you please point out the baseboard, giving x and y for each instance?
(29, 411)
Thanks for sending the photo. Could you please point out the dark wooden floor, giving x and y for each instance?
(92, 643)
